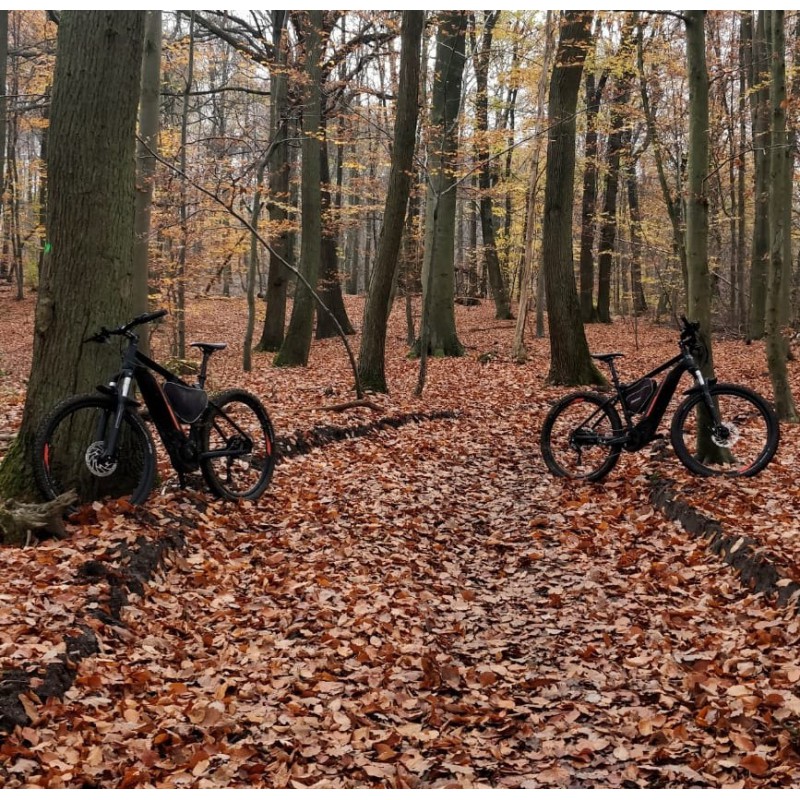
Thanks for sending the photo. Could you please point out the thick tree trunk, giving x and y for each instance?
(439, 336)
(780, 163)
(279, 171)
(149, 108)
(481, 66)
(371, 360)
(297, 344)
(90, 218)
(570, 362)
(699, 299)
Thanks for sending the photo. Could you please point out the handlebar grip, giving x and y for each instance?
(143, 319)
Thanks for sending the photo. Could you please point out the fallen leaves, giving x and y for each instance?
(422, 607)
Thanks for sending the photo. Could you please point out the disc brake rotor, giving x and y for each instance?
(98, 463)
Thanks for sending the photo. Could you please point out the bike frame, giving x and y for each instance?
(637, 435)
(183, 450)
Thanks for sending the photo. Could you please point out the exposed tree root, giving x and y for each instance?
(18, 521)
(755, 567)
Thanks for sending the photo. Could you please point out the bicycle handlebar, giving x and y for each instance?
(104, 334)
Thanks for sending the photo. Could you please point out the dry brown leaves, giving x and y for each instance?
(423, 607)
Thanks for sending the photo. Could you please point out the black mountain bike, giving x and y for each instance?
(718, 429)
(99, 445)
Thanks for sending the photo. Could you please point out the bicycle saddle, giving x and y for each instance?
(209, 347)
(607, 357)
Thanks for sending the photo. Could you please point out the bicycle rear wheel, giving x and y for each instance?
(742, 444)
(238, 446)
(69, 452)
(575, 437)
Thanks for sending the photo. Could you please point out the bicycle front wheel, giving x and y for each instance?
(742, 444)
(69, 452)
(576, 437)
(238, 446)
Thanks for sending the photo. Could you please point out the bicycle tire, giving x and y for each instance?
(243, 477)
(61, 454)
(750, 413)
(558, 436)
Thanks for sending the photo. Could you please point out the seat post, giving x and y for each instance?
(614, 376)
(201, 378)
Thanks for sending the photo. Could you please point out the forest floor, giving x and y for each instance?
(423, 606)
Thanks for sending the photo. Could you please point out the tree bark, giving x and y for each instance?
(149, 108)
(608, 226)
(594, 95)
(570, 362)
(279, 172)
(90, 218)
(518, 351)
(297, 344)
(481, 66)
(330, 284)
(439, 336)
(780, 162)
(672, 200)
(699, 298)
(759, 110)
(371, 360)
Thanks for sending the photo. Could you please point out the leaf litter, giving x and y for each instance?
(421, 607)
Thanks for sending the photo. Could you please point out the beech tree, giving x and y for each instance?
(481, 62)
(297, 344)
(371, 364)
(781, 163)
(570, 362)
(439, 336)
(88, 281)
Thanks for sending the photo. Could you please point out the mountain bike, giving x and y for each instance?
(718, 429)
(99, 444)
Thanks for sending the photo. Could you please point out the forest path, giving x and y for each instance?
(424, 606)
(429, 608)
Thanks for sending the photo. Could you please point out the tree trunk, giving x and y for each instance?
(297, 344)
(371, 361)
(608, 227)
(180, 277)
(90, 218)
(699, 298)
(699, 290)
(570, 362)
(279, 173)
(149, 108)
(3, 107)
(518, 351)
(594, 94)
(330, 284)
(481, 66)
(759, 109)
(671, 200)
(438, 335)
(637, 288)
(252, 267)
(780, 163)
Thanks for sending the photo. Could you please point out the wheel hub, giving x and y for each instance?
(98, 463)
(725, 435)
